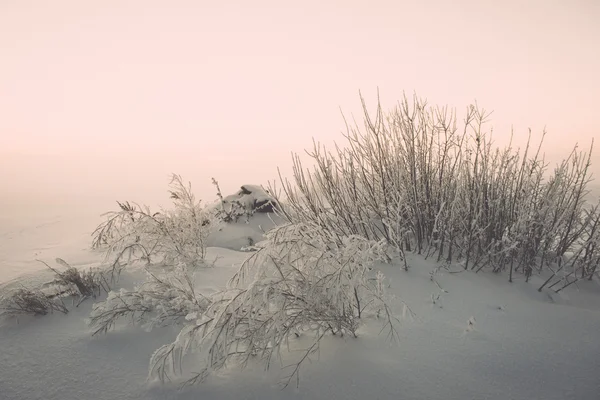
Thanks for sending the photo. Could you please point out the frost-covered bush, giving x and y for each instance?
(426, 181)
(302, 281)
(584, 260)
(164, 298)
(174, 237)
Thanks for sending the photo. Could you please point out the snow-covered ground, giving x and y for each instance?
(522, 344)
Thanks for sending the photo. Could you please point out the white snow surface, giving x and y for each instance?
(520, 344)
(241, 234)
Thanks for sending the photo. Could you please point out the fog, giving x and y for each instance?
(103, 101)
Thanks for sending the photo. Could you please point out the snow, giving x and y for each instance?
(484, 338)
(239, 234)
(45, 236)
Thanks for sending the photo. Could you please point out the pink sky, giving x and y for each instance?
(106, 98)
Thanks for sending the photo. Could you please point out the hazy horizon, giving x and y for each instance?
(103, 101)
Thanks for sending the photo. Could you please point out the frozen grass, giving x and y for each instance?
(82, 284)
(73, 283)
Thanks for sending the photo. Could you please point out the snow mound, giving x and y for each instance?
(246, 215)
(243, 234)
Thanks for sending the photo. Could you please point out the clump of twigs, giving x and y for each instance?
(24, 301)
(229, 211)
(81, 284)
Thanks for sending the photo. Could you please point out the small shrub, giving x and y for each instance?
(424, 181)
(301, 282)
(174, 237)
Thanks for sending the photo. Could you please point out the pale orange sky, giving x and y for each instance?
(104, 99)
